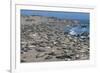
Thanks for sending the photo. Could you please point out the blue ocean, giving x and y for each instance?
(84, 18)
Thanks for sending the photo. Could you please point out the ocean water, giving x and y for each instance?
(77, 30)
(84, 18)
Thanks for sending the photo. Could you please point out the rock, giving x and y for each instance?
(52, 39)
(32, 46)
(67, 59)
(24, 49)
(41, 55)
(21, 52)
(48, 47)
(77, 56)
(52, 53)
(42, 44)
(40, 49)
(48, 57)
(63, 57)
(84, 56)
(23, 61)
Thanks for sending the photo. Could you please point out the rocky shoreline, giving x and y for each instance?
(44, 39)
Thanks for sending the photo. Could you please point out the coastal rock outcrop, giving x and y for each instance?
(45, 39)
